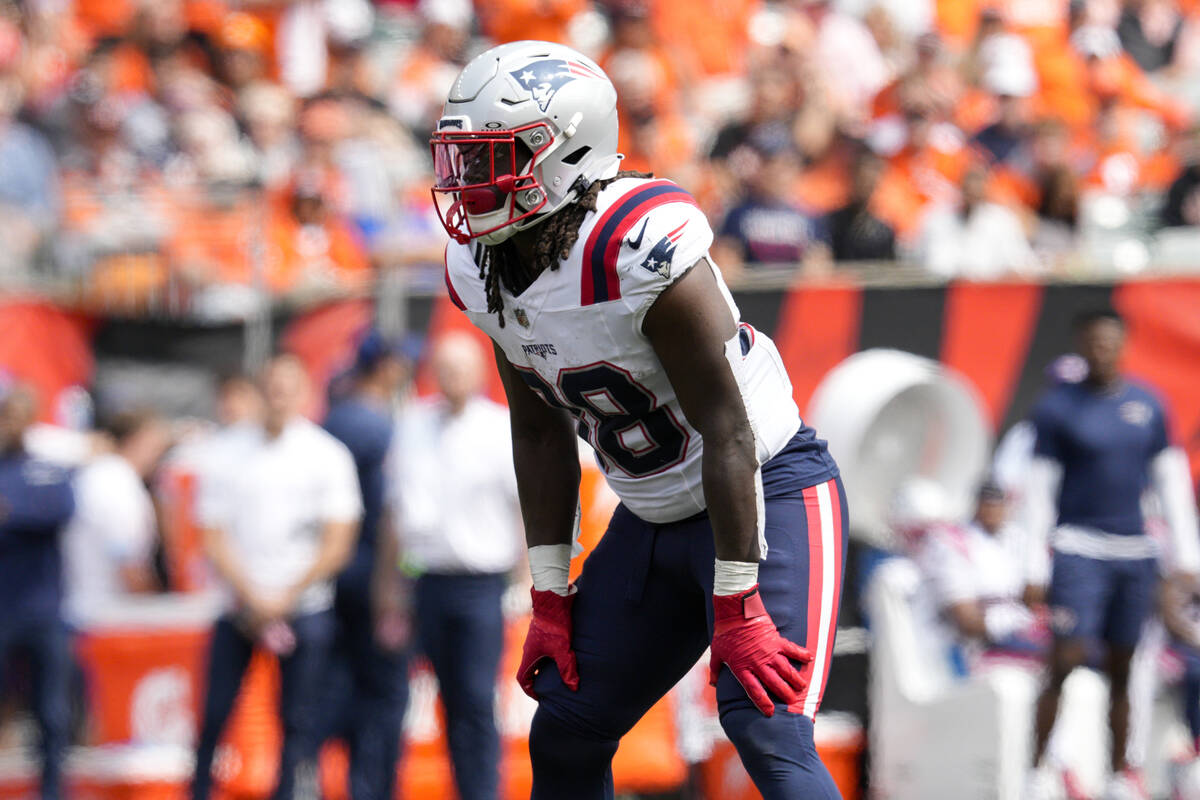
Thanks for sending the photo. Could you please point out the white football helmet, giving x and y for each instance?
(526, 128)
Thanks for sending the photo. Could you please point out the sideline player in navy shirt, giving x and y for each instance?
(35, 503)
(370, 656)
(1101, 443)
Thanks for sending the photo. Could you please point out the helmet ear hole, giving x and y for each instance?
(576, 156)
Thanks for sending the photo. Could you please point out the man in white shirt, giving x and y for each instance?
(109, 544)
(975, 239)
(280, 505)
(460, 528)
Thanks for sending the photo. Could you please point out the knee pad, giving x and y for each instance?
(555, 746)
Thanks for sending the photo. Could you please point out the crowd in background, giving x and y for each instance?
(207, 145)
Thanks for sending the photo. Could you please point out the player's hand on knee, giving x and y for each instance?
(746, 640)
(549, 636)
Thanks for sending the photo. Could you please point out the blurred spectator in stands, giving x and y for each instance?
(304, 34)
(1056, 236)
(1182, 206)
(974, 239)
(245, 47)
(633, 33)
(544, 20)
(1005, 140)
(423, 77)
(768, 228)
(211, 151)
(652, 134)
(847, 58)
(855, 232)
(269, 113)
(769, 123)
(975, 572)
(708, 42)
(29, 195)
(312, 247)
(322, 124)
(279, 505)
(376, 158)
(1149, 31)
(460, 529)
(370, 646)
(930, 80)
(108, 548)
(775, 99)
(927, 158)
(36, 502)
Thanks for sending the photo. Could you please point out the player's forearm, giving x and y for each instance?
(547, 467)
(730, 475)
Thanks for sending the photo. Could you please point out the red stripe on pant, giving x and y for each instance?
(823, 508)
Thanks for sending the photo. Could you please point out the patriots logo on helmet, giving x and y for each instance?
(544, 78)
(659, 259)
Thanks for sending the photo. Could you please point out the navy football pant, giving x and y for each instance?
(460, 626)
(642, 618)
(301, 673)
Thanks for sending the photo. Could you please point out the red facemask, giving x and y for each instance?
(480, 172)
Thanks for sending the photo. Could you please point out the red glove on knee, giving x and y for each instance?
(745, 639)
(549, 636)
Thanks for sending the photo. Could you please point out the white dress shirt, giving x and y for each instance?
(454, 490)
(113, 527)
(272, 497)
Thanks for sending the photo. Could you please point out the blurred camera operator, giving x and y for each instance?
(280, 506)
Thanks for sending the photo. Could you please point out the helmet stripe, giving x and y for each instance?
(600, 280)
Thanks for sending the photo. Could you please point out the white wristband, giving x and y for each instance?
(550, 566)
(734, 577)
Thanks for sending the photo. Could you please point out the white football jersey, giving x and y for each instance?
(575, 335)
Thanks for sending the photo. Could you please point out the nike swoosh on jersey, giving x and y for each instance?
(637, 243)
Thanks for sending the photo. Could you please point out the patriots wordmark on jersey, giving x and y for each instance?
(578, 343)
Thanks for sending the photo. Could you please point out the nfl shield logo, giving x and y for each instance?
(521, 317)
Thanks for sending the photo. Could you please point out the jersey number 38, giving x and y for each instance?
(619, 417)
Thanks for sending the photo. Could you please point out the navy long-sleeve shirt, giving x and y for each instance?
(36, 501)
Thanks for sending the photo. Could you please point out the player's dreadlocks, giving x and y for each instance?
(556, 236)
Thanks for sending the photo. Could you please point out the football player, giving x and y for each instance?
(609, 320)
(1100, 443)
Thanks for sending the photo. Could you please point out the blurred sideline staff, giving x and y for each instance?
(368, 676)
(109, 545)
(280, 506)
(975, 573)
(36, 501)
(460, 529)
(1100, 443)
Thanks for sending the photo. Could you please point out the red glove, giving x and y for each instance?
(746, 640)
(549, 636)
